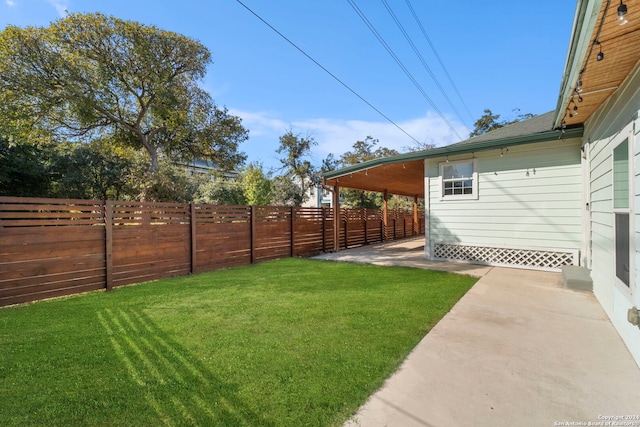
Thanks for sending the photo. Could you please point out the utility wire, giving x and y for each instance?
(424, 33)
(328, 72)
(401, 65)
(419, 55)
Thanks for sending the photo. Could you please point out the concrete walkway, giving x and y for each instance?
(517, 349)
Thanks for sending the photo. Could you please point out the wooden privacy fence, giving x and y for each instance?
(52, 247)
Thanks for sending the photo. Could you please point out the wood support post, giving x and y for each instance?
(336, 218)
(385, 215)
(416, 223)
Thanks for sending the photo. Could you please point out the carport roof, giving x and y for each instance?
(404, 174)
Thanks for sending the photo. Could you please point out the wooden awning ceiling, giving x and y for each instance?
(401, 178)
(600, 78)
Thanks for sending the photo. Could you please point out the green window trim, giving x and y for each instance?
(621, 211)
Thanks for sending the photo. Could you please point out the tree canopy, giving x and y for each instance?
(91, 75)
(295, 150)
(489, 121)
(363, 151)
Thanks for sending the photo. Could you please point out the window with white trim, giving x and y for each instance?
(459, 180)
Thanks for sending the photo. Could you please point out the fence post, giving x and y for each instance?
(324, 237)
(346, 228)
(108, 241)
(404, 226)
(366, 238)
(193, 222)
(252, 234)
(292, 225)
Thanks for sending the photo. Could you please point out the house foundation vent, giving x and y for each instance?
(543, 259)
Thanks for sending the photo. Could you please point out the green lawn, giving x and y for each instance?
(292, 342)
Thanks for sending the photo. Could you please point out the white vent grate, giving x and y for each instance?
(552, 259)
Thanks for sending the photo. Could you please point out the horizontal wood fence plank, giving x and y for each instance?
(54, 250)
(58, 292)
(53, 247)
(48, 201)
(48, 283)
(42, 235)
(52, 266)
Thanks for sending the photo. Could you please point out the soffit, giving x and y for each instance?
(600, 79)
(402, 178)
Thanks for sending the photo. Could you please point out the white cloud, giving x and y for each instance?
(338, 136)
(61, 6)
(10, 3)
(261, 124)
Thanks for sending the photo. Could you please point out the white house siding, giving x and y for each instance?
(617, 119)
(528, 197)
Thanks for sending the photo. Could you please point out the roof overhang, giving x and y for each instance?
(596, 22)
(404, 174)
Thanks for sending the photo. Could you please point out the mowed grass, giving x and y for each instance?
(292, 342)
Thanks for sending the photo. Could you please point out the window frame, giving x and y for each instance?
(474, 180)
(624, 137)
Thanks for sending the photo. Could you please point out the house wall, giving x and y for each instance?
(529, 197)
(617, 119)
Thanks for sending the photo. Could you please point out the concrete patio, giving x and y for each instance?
(517, 349)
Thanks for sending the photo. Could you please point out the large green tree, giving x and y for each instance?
(221, 191)
(256, 185)
(489, 121)
(284, 192)
(25, 169)
(363, 151)
(295, 151)
(94, 171)
(90, 75)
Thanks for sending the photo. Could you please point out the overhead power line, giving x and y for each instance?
(419, 55)
(327, 71)
(401, 65)
(435, 52)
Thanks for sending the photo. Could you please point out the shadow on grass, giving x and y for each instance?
(177, 387)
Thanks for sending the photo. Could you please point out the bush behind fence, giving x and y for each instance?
(55, 247)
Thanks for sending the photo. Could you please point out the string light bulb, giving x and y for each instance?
(579, 86)
(600, 55)
(622, 11)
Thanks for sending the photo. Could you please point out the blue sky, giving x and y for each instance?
(501, 55)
